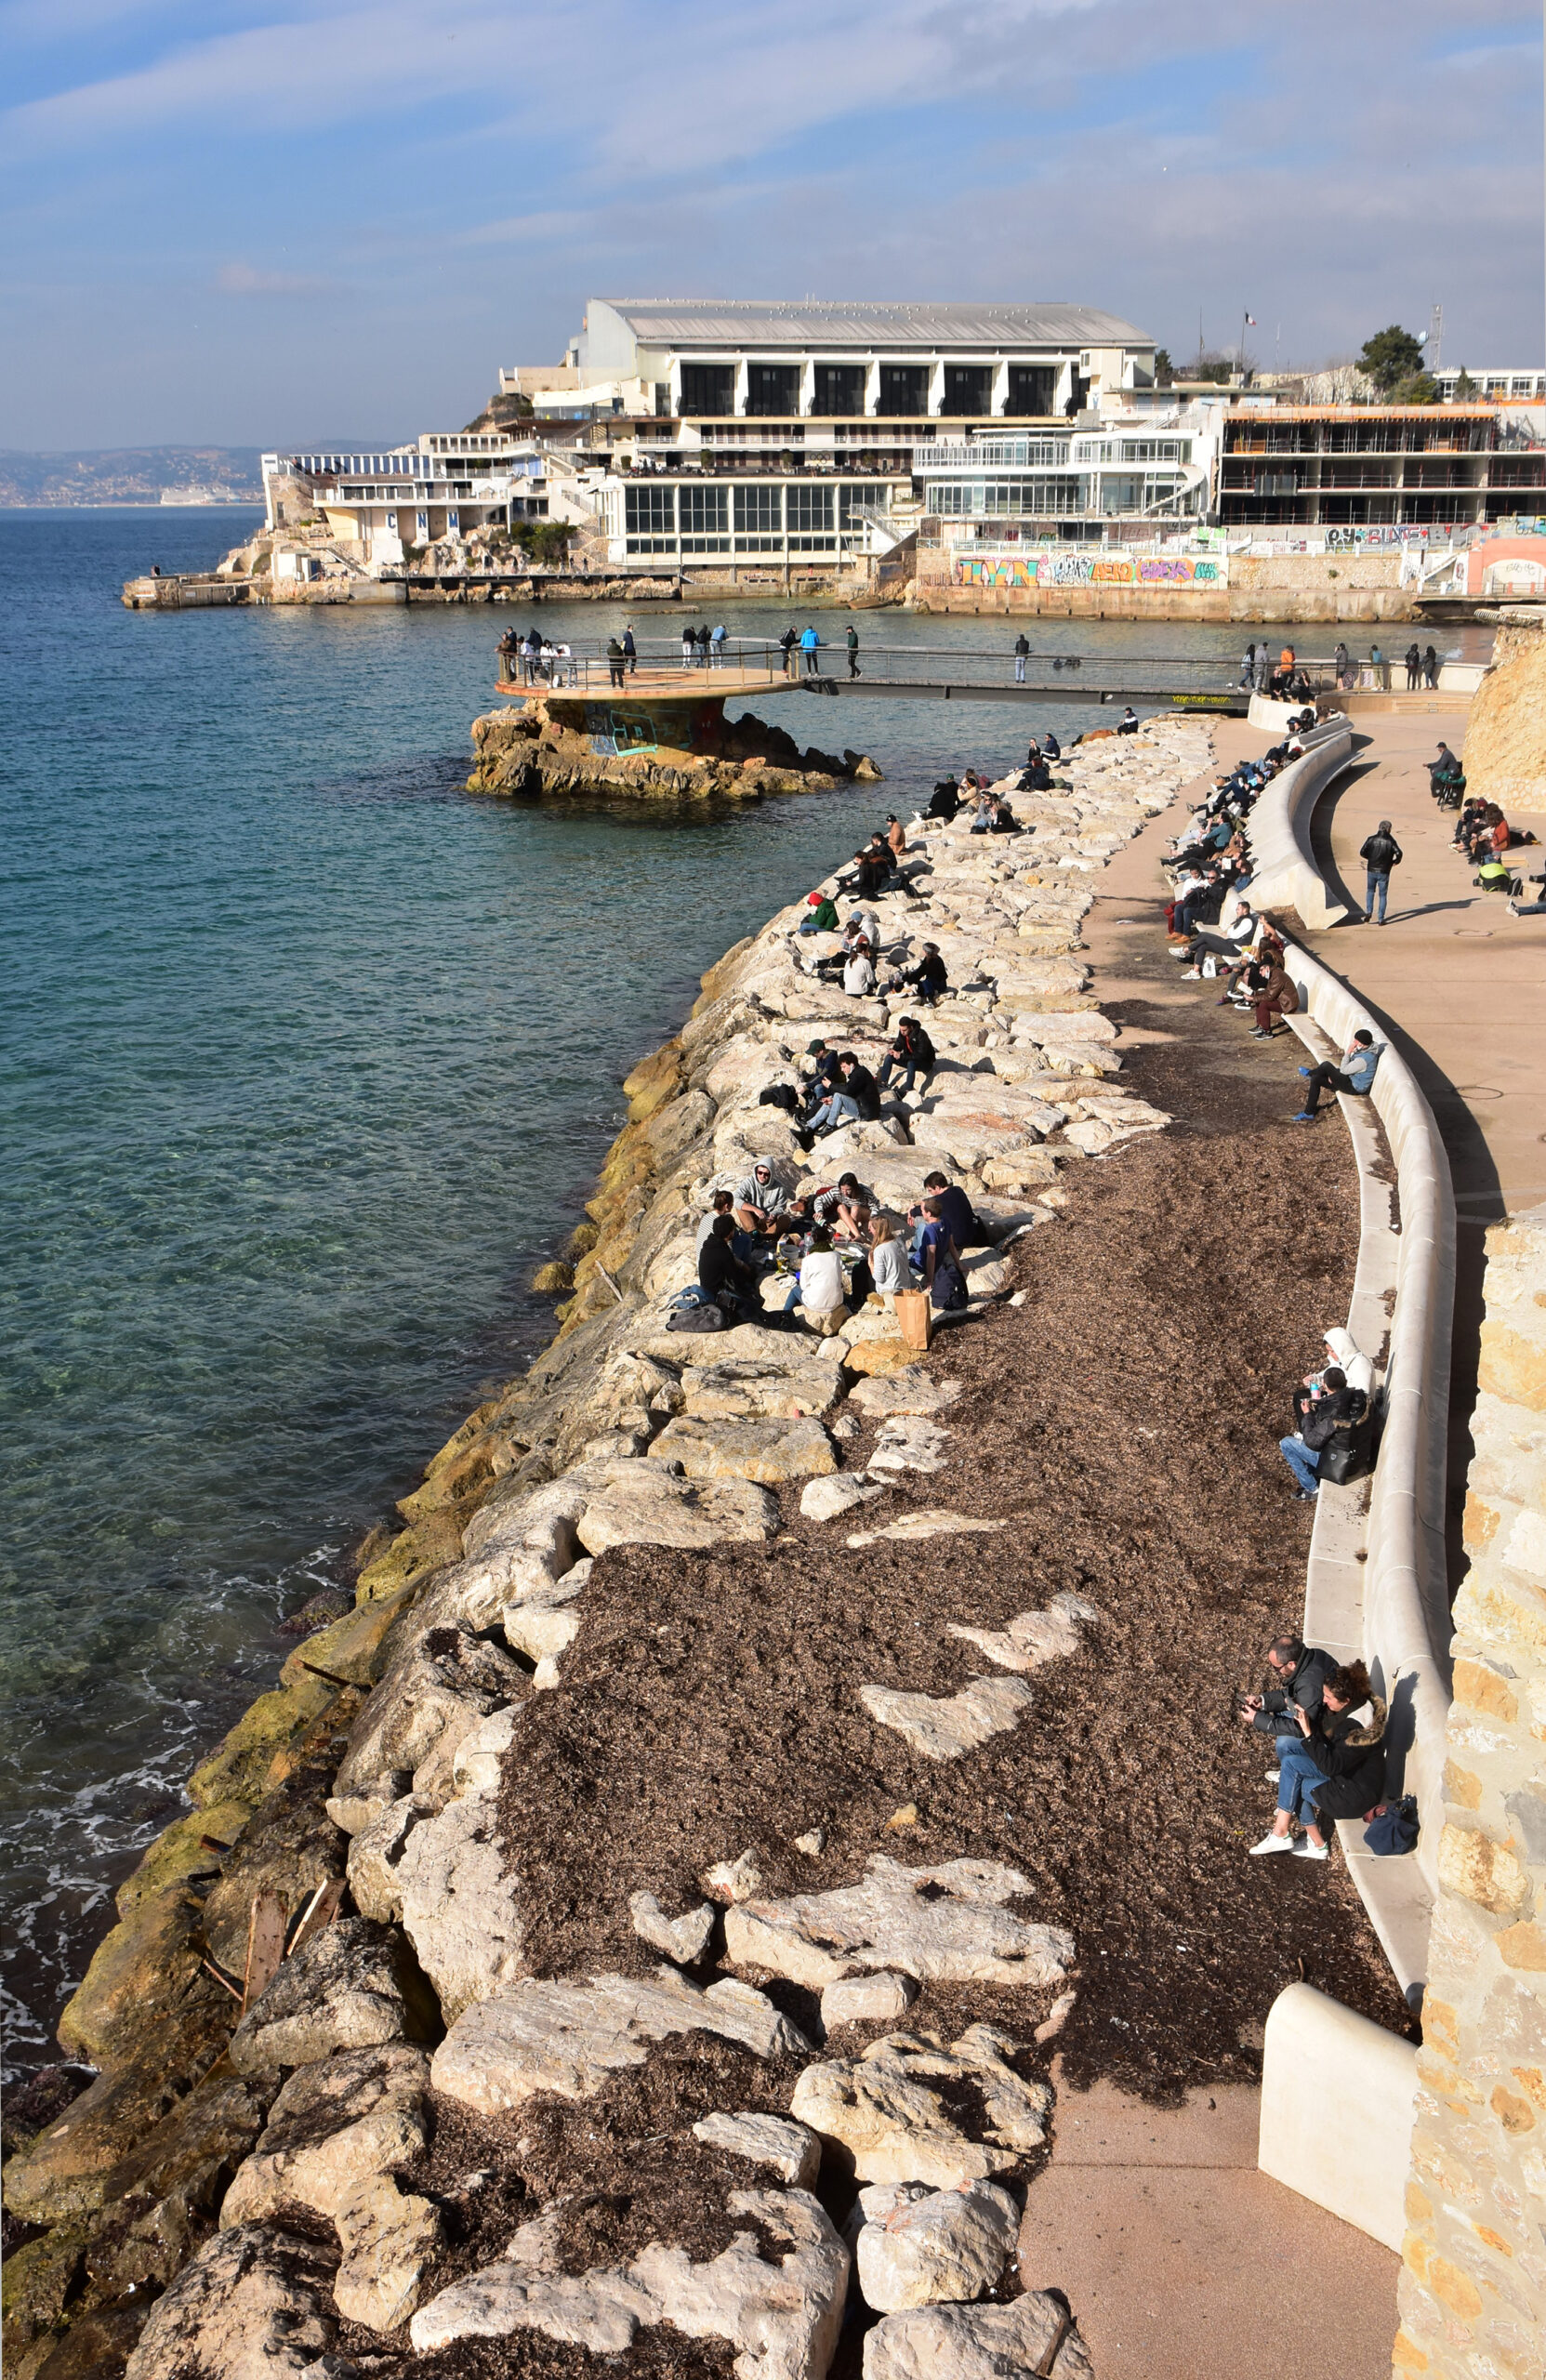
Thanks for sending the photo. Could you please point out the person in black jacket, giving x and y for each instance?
(944, 800)
(1337, 1769)
(911, 1055)
(928, 979)
(1298, 1672)
(1380, 855)
(1329, 1422)
(723, 1277)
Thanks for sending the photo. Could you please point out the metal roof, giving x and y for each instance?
(692, 321)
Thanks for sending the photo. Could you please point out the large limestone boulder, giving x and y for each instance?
(1033, 2335)
(376, 1858)
(768, 1451)
(903, 2114)
(947, 1923)
(252, 2305)
(782, 2314)
(936, 2247)
(568, 2037)
(908, 1442)
(750, 1387)
(388, 2237)
(334, 2124)
(460, 1907)
(911, 1391)
(444, 1679)
(1033, 1637)
(791, 2150)
(943, 1726)
(353, 1986)
(651, 1507)
(827, 1500)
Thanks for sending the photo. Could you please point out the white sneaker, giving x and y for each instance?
(1305, 1849)
(1271, 1774)
(1270, 1843)
(1192, 975)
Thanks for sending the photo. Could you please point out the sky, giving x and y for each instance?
(280, 222)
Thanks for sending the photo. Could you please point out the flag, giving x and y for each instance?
(1251, 322)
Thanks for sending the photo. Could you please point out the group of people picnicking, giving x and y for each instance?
(835, 1246)
(1484, 837)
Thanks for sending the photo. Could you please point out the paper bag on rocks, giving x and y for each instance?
(913, 1317)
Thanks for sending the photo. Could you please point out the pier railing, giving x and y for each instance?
(585, 667)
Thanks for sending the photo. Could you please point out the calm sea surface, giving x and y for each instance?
(308, 1057)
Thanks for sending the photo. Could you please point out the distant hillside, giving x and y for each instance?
(132, 475)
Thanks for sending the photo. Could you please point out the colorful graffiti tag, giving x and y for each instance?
(1091, 570)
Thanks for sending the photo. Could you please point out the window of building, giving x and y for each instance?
(707, 387)
(854, 501)
(759, 511)
(704, 519)
(1156, 450)
(773, 388)
(1032, 388)
(903, 389)
(807, 513)
(1275, 483)
(839, 387)
(968, 388)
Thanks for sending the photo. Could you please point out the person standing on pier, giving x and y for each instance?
(1247, 667)
(630, 650)
(1380, 854)
(852, 641)
(1022, 654)
(717, 646)
(689, 644)
(1431, 667)
(1414, 669)
(810, 644)
(786, 644)
(614, 660)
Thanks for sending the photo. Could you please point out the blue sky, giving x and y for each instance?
(297, 220)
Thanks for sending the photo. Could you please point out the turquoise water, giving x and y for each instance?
(309, 1058)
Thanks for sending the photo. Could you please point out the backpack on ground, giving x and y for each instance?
(780, 1094)
(948, 1289)
(697, 1319)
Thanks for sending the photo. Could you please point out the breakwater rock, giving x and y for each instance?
(538, 749)
(352, 2093)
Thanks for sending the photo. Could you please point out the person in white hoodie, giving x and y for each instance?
(823, 1286)
(859, 973)
(1357, 1367)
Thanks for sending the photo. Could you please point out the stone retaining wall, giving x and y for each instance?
(1472, 2292)
(1286, 876)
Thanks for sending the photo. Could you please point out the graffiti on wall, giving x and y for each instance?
(1190, 571)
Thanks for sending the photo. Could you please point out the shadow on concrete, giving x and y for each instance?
(1336, 883)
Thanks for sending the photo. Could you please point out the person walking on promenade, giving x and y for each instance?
(1414, 667)
(630, 650)
(852, 641)
(1022, 654)
(1247, 667)
(810, 644)
(1380, 855)
(1431, 667)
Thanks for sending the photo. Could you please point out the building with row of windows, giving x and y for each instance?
(691, 434)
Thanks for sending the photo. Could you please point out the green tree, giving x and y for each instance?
(1208, 365)
(546, 541)
(1392, 356)
(1465, 388)
(1164, 370)
(1420, 389)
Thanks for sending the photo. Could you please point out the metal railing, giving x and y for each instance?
(586, 668)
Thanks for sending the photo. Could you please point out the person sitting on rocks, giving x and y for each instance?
(981, 815)
(859, 973)
(867, 881)
(887, 1259)
(823, 916)
(1297, 1671)
(1355, 1075)
(823, 1286)
(853, 1099)
(825, 1063)
(1001, 819)
(838, 1208)
(723, 1277)
(1337, 1769)
(1050, 749)
(722, 1203)
(1128, 723)
(944, 800)
(910, 1055)
(760, 1202)
(935, 1242)
(1327, 1422)
(928, 978)
(954, 1208)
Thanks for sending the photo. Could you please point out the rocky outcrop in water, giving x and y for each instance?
(536, 750)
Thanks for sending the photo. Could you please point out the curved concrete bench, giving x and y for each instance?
(1285, 874)
(1393, 1605)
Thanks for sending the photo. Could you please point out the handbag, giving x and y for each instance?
(1392, 1831)
(949, 1291)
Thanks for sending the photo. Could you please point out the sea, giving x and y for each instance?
(308, 1060)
